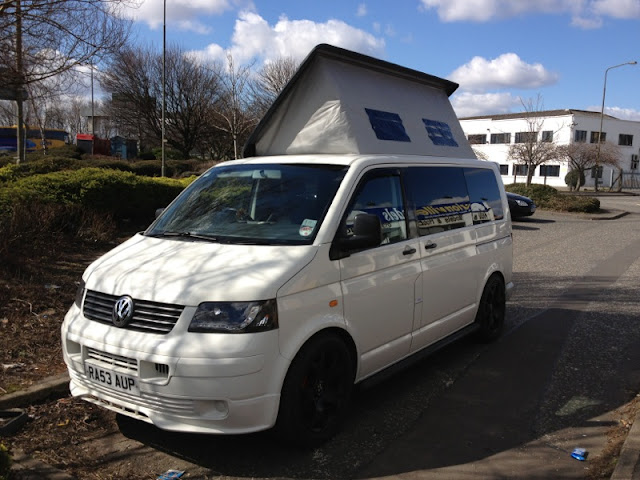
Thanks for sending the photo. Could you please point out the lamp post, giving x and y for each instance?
(164, 59)
(604, 92)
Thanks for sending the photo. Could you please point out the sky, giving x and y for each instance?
(504, 54)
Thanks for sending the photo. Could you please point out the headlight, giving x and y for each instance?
(79, 294)
(235, 317)
(522, 203)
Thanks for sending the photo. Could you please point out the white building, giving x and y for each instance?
(491, 136)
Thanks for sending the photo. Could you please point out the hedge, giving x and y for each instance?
(121, 194)
(54, 163)
(548, 197)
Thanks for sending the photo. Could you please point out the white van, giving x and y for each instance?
(275, 283)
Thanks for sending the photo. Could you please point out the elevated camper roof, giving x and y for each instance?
(341, 101)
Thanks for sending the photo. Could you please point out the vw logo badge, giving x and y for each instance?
(122, 311)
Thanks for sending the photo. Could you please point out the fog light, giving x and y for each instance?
(211, 408)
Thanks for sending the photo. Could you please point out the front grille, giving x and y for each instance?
(149, 317)
(113, 360)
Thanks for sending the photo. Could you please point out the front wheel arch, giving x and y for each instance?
(317, 389)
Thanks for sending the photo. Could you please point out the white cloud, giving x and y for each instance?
(506, 71)
(253, 38)
(467, 104)
(617, 8)
(362, 10)
(584, 13)
(184, 14)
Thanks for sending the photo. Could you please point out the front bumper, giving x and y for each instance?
(200, 383)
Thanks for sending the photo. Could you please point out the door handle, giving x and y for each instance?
(430, 246)
(408, 251)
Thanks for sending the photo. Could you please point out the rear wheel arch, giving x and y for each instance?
(491, 312)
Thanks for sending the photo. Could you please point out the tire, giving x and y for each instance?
(316, 392)
(491, 311)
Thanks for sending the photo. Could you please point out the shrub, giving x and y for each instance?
(50, 163)
(549, 198)
(169, 153)
(121, 194)
(33, 226)
(69, 151)
(573, 203)
(5, 462)
(41, 211)
(572, 178)
(538, 193)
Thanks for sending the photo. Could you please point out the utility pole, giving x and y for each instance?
(19, 86)
(164, 75)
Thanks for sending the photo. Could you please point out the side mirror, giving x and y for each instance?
(367, 233)
(159, 211)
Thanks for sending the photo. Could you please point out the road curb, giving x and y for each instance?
(614, 216)
(629, 459)
(28, 467)
(56, 385)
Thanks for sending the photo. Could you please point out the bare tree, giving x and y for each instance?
(134, 78)
(530, 148)
(582, 156)
(234, 114)
(270, 81)
(44, 38)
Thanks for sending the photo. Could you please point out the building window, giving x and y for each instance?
(522, 170)
(504, 169)
(500, 138)
(593, 172)
(526, 137)
(580, 136)
(549, 170)
(477, 139)
(547, 136)
(625, 140)
(634, 162)
(594, 137)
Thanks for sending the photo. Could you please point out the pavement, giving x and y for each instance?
(627, 467)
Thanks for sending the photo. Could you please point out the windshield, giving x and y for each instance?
(267, 204)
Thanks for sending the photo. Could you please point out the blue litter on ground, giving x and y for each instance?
(170, 475)
(580, 454)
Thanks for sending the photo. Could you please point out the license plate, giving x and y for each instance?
(112, 379)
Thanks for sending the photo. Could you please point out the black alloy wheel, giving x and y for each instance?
(316, 392)
(491, 311)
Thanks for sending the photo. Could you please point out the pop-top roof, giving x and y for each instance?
(345, 102)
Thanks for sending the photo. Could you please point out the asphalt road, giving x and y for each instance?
(512, 409)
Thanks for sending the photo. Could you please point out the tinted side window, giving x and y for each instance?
(381, 196)
(484, 195)
(439, 198)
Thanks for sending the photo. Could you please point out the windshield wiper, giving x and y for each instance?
(195, 236)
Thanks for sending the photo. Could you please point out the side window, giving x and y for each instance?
(381, 196)
(439, 198)
(484, 194)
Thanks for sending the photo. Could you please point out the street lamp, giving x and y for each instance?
(164, 74)
(604, 91)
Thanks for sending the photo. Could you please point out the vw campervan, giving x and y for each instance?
(358, 230)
